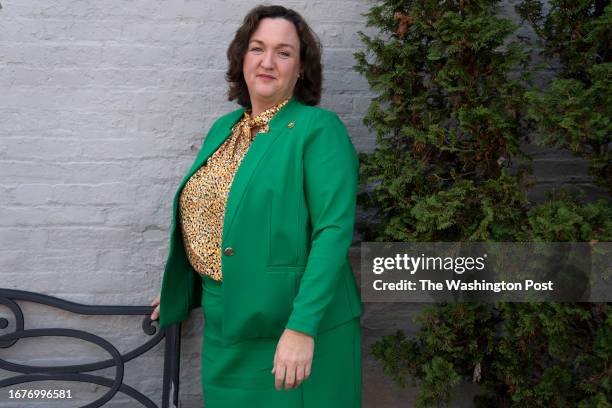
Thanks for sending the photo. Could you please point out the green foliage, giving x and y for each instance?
(522, 355)
(454, 101)
(575, 112)
(563, 218)
(447, 120)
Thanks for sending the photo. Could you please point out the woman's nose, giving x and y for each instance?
(268, 60)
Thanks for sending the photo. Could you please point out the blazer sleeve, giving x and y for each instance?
(331, 172)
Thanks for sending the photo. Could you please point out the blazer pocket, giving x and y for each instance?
(299, 269)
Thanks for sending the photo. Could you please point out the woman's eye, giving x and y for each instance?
(284, 54)
(255, 49)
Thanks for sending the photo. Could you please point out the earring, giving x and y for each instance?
(301, 75)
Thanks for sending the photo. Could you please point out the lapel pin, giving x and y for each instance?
(291, 124)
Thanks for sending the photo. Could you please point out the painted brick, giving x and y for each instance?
(104, 106)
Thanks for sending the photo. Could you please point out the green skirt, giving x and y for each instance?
(239, 375)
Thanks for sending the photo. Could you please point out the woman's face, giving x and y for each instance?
(272, 61)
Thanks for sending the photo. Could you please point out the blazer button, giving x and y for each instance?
(229, 251)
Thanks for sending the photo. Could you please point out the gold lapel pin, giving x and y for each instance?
(291, 124)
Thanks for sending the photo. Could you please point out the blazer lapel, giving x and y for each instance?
(217, 140)
(208, 148)
(252, 158)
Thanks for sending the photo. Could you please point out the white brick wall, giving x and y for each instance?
(103, 106)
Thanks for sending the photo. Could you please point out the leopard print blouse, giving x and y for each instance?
(203, 199)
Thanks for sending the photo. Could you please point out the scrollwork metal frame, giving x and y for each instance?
(28, 373)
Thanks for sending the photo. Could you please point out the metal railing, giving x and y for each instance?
(29, 373)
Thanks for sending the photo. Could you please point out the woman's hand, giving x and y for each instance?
(155, 313)
(293, 359)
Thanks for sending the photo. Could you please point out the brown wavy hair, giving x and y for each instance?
(308, 88)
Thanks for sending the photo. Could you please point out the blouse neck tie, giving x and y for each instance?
(248, 123)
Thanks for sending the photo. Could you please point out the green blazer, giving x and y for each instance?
(287, 230)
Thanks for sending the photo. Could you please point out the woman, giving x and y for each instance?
(261, 230)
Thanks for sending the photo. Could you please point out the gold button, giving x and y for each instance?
(229, 251)
(291, 124)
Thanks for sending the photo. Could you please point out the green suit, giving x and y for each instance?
(287, 229)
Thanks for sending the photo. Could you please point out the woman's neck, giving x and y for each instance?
(257, 107)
